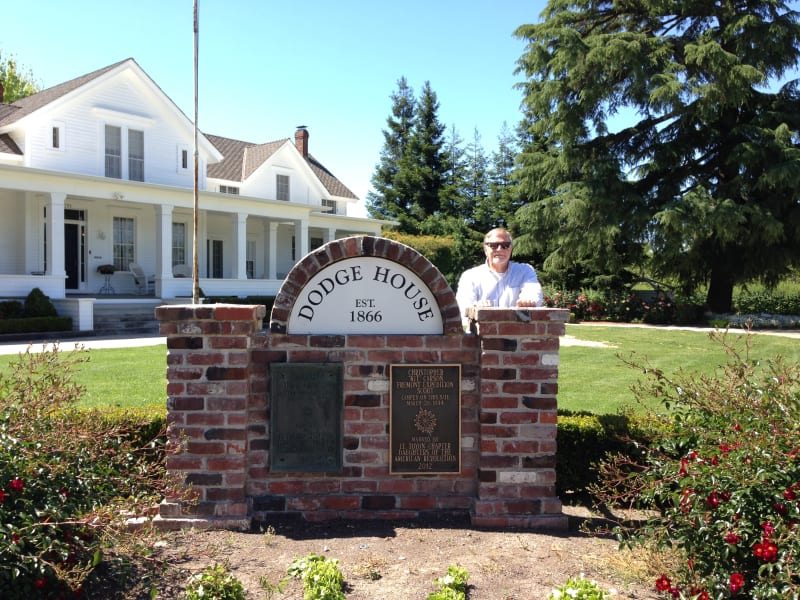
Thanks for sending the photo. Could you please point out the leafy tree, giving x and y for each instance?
(17, 83)
(703, 183)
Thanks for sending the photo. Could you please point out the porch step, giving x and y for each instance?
(125, 318)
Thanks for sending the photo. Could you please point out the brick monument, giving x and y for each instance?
(362, 398)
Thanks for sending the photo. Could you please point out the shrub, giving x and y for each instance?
(584, 440)
(10, 309)
(38, 305)
(452, 586)
(60, 470)
(725, 479)
(36, 324)
(215, 583)
(321, 577)
(579, 588)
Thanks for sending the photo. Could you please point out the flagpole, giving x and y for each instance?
(195, 271)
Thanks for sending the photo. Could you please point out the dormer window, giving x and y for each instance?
(229, 189)
(282, 187)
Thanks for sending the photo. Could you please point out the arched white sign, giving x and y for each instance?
(366, 295)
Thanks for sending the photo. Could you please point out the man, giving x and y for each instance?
(499, 281)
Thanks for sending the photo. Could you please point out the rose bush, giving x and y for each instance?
(725, 479)
(60, 471)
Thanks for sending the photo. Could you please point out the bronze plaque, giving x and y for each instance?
(306, 415)
(425, 419)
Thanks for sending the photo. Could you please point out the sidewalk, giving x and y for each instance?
(68, 344)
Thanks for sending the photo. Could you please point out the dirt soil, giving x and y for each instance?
(401, 561)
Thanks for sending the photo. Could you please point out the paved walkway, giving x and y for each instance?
(127, 342)
(86, 342)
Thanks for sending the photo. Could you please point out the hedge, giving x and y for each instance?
(35, 325)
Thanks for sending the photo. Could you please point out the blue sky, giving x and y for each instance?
(266, 67)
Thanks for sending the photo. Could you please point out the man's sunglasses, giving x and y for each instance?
(496, 245)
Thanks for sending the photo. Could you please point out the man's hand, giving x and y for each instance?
(522, 302)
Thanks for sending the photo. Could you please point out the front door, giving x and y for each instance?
(75, 249)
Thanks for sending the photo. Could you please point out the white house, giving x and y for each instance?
(100, 170)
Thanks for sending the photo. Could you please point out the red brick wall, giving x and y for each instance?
(218, 389)
(218, 399)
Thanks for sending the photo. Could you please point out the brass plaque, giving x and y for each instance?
(306, 415)
(425, 419)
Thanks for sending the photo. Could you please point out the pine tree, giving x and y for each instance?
(388, 200)
(702, 177)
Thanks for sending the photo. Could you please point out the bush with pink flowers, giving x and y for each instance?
(724, 480)
(60, 471)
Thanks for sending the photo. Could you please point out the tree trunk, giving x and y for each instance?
(720, 291)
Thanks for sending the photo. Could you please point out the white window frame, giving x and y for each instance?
(123, 242)
(125, 157)
(135, 161)
(179, 245)
(112, 159)
(229, 189)
(250, 258)
(283, 188)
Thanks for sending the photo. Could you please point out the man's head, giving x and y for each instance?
(497, 248)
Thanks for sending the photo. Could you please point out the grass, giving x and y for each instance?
(119, 377)
(597, 380)
(590, 378)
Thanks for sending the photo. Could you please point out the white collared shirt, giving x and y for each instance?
(482, 285)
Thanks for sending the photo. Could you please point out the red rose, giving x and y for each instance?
(663, 583)
(766, 551)
(2, 496)
(16, 485)
(732, 538)
(736, 582)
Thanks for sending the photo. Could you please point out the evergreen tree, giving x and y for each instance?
(389, 200)
(454, 159)
(476, 185)
(423, 165)
(703, 181)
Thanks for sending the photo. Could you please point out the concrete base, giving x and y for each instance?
(224, 523)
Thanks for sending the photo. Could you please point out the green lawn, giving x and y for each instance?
(597, 379)
(120, 377)
(590, 378)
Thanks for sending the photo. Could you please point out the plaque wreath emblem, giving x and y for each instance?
(425, 421)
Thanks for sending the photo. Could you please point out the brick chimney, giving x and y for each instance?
(301, 140)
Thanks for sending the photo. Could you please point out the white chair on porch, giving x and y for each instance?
(181, 270)
(144, 284)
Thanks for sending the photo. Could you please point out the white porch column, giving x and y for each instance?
(55, 235)
(273, 250)
(331, 234)
(300, 238)
(163, 241)
(239, 225)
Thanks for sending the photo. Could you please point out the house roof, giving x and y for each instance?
(9, 113)
(243, 158)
